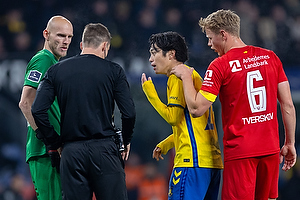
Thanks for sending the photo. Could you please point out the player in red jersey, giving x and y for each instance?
(249, 80)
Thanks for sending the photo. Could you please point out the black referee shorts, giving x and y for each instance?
(92, 166)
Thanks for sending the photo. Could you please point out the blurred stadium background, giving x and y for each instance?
(273, 24)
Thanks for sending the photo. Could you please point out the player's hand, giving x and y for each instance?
(144, 78)
(125, 153)
(289, 155)
(157, 153)
(181, 71)
(55, 157)
(59, 151)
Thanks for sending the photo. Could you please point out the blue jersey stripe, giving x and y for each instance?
(192, 136)
(172, 104)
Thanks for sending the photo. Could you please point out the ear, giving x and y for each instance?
(81, 46)
(103, 46)
(172, 54)
(46, 34)
(223, 34)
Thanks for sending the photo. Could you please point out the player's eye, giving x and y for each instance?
(153, 53)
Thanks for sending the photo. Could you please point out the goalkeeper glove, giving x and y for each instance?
(55, 158)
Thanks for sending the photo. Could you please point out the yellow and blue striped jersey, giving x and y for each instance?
(195, 139)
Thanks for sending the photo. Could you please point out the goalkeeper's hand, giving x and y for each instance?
(55, 157)
(51, 149)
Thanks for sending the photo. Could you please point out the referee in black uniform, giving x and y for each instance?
(87, 87)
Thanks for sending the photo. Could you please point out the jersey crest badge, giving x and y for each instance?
(34, 76)
(235, 65)
(208, 75)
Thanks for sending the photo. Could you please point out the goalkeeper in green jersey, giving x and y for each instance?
(44, 162)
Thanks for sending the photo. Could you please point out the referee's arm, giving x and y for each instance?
(44, 99)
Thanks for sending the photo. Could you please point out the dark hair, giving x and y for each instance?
(167, 41)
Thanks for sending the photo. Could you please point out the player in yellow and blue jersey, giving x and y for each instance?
(197, 163)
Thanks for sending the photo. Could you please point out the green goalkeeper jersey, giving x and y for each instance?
(35, 71)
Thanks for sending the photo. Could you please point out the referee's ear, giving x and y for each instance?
(81, 46)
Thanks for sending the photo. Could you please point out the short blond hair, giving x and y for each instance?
(221, 20)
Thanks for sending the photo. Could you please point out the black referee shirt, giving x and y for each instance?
(86, 87)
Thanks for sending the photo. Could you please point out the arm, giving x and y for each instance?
(35, 70)
(45, 132)
(44, 99)
(163, 147)
(169, 113)
(196, 102)
(126, 106)
(26, 101)
(288, 151)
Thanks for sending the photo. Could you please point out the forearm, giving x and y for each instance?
(45, 131)
(26, 101)
(166, 144)
(127, 129)
(126, 106)
(190, 93)
(169, 113)
(42, 103)
(26, 110)
(196, 102)
(287, 111)
(39, 112)
(289, 121)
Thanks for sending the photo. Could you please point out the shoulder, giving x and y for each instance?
(44, 58)
(44, 54)
(114, 65)
(259, 54)
(196, 75)
(174, 79)
(63, 65)
(262, 51)
(116, 68)
(69, 59)
(104, 62)
(218, 63)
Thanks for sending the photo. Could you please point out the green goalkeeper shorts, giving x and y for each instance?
(45, 178)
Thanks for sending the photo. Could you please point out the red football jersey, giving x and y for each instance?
(246, 81)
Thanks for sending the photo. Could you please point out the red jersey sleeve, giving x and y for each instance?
(281, 74)
(213, 78)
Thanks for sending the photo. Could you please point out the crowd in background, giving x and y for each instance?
(273, 24)
(269, 23)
